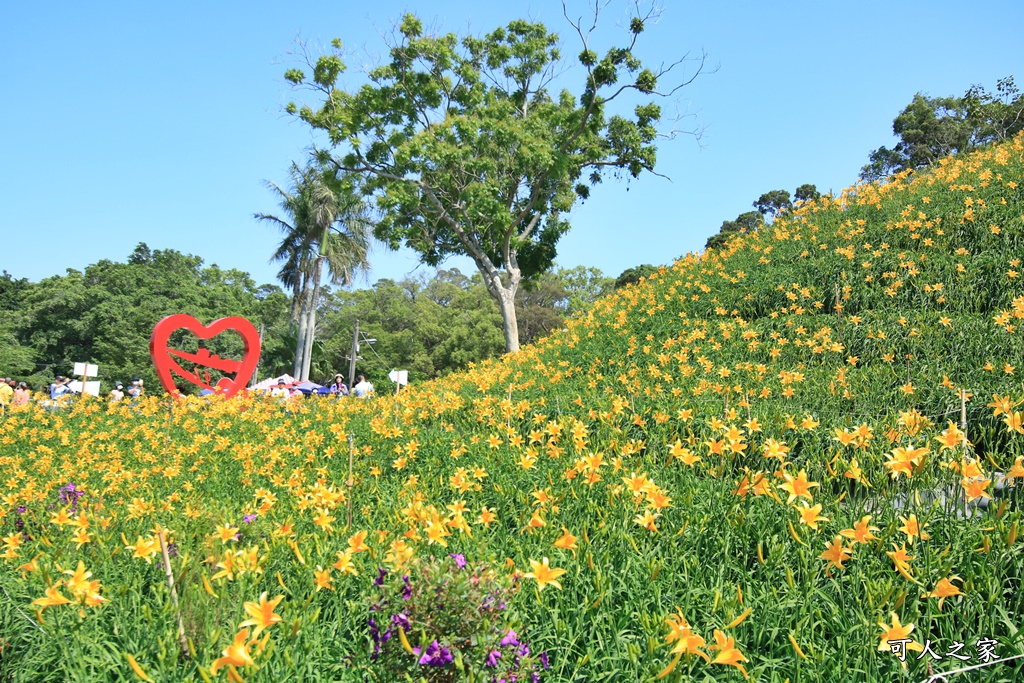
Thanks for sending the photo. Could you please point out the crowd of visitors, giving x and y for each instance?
(15, 394)
(338, 388)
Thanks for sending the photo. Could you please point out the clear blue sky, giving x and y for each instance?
(127, 122)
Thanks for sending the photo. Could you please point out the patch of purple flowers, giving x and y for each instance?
(70, 494)
(452, 613)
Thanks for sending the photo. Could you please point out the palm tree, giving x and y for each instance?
(330, 225)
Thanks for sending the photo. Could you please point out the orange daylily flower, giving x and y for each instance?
(689, 642)
(52, 598)
(235, 654)
(835, 555)
(861, 532)
(356, 542)
(912, 529)
(810, 516)
(728, 654)
(944, 589)
(897, 631)
(901, 560)
(566, 541)
(798, 486)
(544, 574)
(261, 613)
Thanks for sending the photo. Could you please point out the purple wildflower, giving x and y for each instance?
(544, 660)
(401, 620)
(70, 494)
(379, 581)
(492, 659)
(436, 655)
(460, 559)
(374, 630)
(375, 634)
(510, 638)
(407, 590)
(249, 519)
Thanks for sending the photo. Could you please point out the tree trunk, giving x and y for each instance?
(509, 323)
(293, 316)
(300, 345)
(505, 295)
(311, 322)
(300, 342)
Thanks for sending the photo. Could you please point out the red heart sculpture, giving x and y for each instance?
(165, 363)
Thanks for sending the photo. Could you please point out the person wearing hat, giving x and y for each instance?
(117, 393)
(339, 387)
(59, 387)
(280, 391)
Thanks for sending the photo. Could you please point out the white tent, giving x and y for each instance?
(272, 382)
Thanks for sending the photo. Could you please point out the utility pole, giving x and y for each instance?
(352, 358)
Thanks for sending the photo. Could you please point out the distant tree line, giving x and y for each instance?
(768, 205)
(106, 314)
(429, 325)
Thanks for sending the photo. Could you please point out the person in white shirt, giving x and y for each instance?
(362, 388)
(280, 391)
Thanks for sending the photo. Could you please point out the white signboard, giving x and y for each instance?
(86, 369)
(91, 388)
(399, 376)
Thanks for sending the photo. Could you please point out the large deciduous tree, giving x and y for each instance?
(467, 151)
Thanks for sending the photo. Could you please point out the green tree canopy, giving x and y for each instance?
(771, 203)
(435, 325)
(106, 314)
(632, 275)
(930, 128)
(745, 222)
(806, 193)
(467, 150)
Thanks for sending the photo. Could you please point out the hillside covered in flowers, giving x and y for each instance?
(765, 462)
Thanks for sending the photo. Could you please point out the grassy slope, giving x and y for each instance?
(672, 363)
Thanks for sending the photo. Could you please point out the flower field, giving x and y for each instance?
(751, 465)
